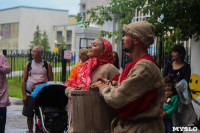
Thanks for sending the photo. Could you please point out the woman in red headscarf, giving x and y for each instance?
(98, 66)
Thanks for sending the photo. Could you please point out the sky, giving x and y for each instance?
(71, 5)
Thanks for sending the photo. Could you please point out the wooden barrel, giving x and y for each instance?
(90, 113)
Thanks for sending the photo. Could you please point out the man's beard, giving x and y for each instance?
(130, 49)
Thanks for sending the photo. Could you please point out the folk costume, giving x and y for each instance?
(94, 68)
(139, 97)
(91, 70)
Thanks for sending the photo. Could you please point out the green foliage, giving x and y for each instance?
(36, 37)
(40, 39)
(72, 16)
(179, 17)
(122, 9)
(45, 42)
(63, 45)
(174, 20)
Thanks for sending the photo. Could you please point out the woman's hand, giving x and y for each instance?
(114, 83)
(79, 87)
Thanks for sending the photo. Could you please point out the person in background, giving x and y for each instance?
(4, 99)
(116, 61)
(37, 72)
(178, 68)
(139, 95)
(180, 72)
(170, 104)
(82, 58)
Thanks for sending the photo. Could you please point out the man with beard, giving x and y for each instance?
(138, 95)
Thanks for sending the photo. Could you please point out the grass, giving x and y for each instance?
(14, 87)
(14, 84)
(18, 63)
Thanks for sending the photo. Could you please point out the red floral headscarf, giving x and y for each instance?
(84, 73)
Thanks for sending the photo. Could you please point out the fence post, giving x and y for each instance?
(160, 52)
(63, 66)
(5, 52)
(30, 55)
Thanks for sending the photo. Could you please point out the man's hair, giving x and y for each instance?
(181, 50)
(83, 51)
(40, 48)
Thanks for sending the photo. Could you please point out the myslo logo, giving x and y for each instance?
(184, 129)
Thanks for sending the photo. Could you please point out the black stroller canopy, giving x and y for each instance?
(52, 95)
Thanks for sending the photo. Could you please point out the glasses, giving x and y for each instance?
(35, 51)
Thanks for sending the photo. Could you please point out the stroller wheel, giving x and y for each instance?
(38, 129)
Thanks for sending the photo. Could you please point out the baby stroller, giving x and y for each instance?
(49, 108)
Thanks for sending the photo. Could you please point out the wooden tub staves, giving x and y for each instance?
(90, 113)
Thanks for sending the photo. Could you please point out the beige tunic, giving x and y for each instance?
(106, 71)
(143, 77)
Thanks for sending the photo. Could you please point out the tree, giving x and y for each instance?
(45, 42)
(40, 39)
(63, 45)
(173, 19)
(179, 19)
(36, 37)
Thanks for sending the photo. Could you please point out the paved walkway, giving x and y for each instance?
(16, 122)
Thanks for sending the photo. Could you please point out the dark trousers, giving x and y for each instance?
(168, 125)
(3, 111)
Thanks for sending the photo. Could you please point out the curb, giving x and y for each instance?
(16, 101)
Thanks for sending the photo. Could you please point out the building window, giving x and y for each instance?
(9, 35)
(82, 7)
(59, 37)
(69, 36)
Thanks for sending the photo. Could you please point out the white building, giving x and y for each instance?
(18, 24)
(87, 4)
(68, 32)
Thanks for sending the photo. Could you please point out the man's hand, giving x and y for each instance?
(24, 99)
(100, 84)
